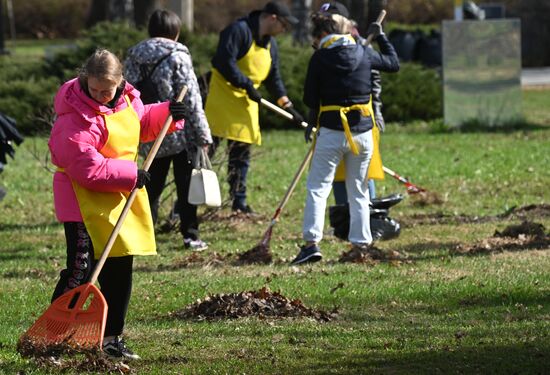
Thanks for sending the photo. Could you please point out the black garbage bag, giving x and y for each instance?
(404, 42)
(429, 49)
(382, 226)
(8, 134)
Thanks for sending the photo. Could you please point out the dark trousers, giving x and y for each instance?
(115, 278)
(189, 224)
(237, 169)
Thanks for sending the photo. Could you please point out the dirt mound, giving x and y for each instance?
(370, 255)
(262, 304)
(259, 254)
(526, 228)
(525, 236)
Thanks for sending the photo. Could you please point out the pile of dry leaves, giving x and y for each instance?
(525, 236)
(68, 355)
(262, 303)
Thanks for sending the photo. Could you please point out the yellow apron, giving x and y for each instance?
(375, 171)
(101, 210)
(231, 114)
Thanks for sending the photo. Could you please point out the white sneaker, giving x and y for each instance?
(195, 245)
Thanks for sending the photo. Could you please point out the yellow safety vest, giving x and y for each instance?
(230, 113)
(101, 210)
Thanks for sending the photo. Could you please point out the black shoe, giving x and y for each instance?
(118, 349)
(309, 254)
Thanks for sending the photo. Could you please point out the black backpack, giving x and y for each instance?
(146, 86)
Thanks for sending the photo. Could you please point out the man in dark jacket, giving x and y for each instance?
(246, 57)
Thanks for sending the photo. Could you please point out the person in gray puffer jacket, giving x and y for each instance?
(174, 70)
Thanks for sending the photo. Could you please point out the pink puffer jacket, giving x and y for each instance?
(79, 133)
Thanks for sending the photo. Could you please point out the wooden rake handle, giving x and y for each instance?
(132, 196)
(293, 184)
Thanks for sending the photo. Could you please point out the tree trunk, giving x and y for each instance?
(374, 9)
(301, 9)
(143, 10)
(97, 12)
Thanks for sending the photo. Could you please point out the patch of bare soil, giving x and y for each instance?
(259, 254)
(197, 260)
(426, 198)
(525, 236)
(70, 356)
(370, 255)
(530, 212)
(262, 304)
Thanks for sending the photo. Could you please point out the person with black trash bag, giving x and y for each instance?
(100, 121)
(8, 135)
(166, 65)
(246, 56)
(338, 92)
(345, 25)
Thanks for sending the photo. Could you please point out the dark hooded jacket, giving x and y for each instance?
(235, 41)
(342, 76)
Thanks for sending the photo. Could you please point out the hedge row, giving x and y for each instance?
(26, 92)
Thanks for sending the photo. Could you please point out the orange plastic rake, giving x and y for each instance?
(76, 320)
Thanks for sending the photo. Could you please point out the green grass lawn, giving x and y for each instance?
(440, 311)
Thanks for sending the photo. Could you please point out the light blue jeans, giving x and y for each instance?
(331, 147)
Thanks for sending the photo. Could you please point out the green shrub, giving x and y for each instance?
(414, 93)
(50, 18)
(117, 37)
(29, 102)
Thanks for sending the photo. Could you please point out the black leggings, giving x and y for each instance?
(115, 278)
(189, 223)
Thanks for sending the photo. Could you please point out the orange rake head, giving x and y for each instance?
(74, 322)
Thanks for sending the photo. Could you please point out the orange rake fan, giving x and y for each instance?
(76, 320)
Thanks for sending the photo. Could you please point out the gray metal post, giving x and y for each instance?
(2, 45)
(185, 10)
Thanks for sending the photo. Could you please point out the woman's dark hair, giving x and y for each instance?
(164, 23)
(323, 22)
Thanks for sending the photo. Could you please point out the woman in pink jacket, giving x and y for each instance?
(94, 141)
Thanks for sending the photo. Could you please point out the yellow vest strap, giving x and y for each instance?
(365, 111)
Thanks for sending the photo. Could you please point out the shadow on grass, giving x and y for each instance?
(475, 126)
(23, 226)
(521, 358)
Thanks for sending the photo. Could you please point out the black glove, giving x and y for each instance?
(177, 110)
(253, 94)
(309, 132)
(298, 118)
(375, 29)
(143, 177)
(380, 123)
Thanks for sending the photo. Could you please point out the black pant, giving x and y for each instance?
(115, 277)
(189, 224)
(237, 169)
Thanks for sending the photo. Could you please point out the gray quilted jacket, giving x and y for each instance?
(169, 77)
